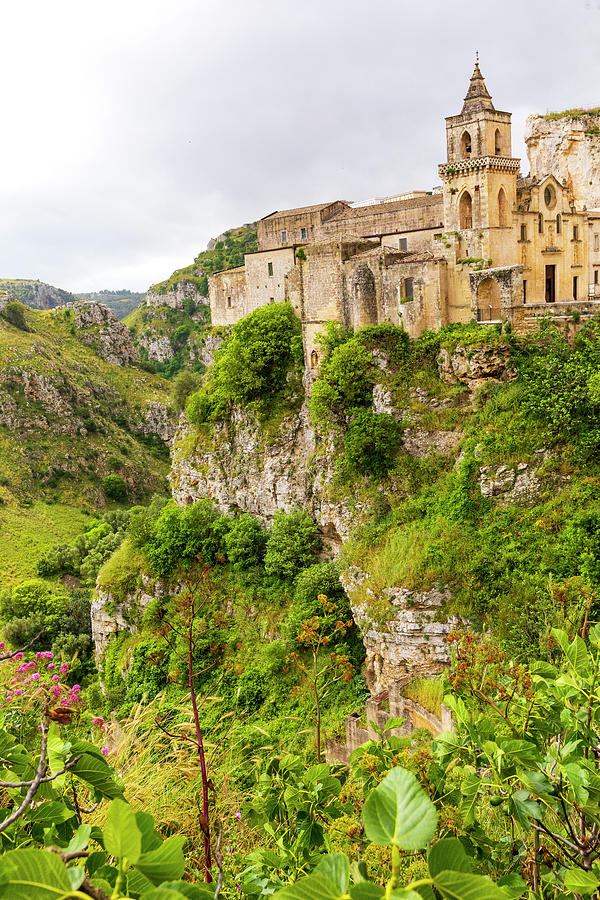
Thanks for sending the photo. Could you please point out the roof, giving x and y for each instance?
(478, 97)
(301, 209)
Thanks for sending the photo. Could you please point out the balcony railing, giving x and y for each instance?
(488, 314)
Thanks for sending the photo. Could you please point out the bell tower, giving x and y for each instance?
(480, 176)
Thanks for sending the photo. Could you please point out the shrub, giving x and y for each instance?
(15, 314)
(345, 382)
(320, 578)
(371, 443)
(114, 487)
(253, 363)
(178, 537)
(185, 384)
(245, 543)
(292, 543)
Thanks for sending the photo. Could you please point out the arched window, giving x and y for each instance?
(465, 210)
(540, 224)
(558, 223)
(314, 359)
(502, 208)
(465, 145)
(498, 143)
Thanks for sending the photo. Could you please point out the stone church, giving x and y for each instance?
(488, 244)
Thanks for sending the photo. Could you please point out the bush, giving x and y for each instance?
(178, 537)
(320, 578)
(246, 542)
(15, 314)
(371, 443)
(185, 384)
(345, 383)
(114, 487)
(292, 543)
(253, 363)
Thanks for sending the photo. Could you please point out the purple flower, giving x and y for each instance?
(63, 668)
(36, 676)
(238, 815)
(105, 751)
(99, 720)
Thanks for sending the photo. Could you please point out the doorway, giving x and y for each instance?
(550, 284)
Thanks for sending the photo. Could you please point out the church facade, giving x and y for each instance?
(488, 244)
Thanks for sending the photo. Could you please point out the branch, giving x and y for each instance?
(33, 787)
(45, 779)
(26, 647)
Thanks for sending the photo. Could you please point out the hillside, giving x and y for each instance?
(121, 302)
(225, 252)
(68, 419)
(36, 294)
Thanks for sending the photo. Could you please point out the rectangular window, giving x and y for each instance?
(284, 237)
(408, 288)
(575, 285)
(523, 232)
(403, 244)
(270, 268)
(595, 276)
(597, 242)
(524, 292)
(229, 302)
(575, 232)
(303, 234)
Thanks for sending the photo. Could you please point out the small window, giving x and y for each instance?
(540, 223)
(498, 143)
(524, 291)
(523, 232)
(284, 237)
(575, 286)
(597, 242)
(595, 276)
(270, 268)
(403, 244)
(303, 234)
(314, 359)
(558, 223)
(408, 288)
(575, 232)
(465, 145)
(229, 303)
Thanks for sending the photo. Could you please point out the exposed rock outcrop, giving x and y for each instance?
(175, 298)
(567, 146)
(475, 366)
(36, 294)
(98, 327)
(411, 642)
(110, 617)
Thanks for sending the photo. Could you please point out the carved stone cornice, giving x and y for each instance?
(474, 164)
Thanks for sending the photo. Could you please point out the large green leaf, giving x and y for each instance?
(50, 813)
(464, 886)
(151, 839)
(448, 855)
(315, 887)
(399, 812)
(122, 837)
(581, 882)
(33, 874)
(366, 890)
(95, 771)
(166, 863)
(336, 868)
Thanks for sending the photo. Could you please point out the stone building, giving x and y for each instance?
(488, 244)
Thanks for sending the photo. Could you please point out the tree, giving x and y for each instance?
(322, 673)
(292, 543)
(114, 487)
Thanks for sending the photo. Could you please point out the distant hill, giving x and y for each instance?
(36, 294)
(121, 302)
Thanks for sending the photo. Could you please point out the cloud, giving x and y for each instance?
(135, 131)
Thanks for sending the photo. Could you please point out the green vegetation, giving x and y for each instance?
(253, 366)
(71, 419)
(575, 113)
(181, 330)
(226, 254)
(14, 313)
(28, 290)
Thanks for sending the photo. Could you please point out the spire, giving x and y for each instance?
(478, 96)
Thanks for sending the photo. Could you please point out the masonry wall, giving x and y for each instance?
(227, 296)
(261, 287)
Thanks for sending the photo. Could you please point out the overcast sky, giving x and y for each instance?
(135, 130)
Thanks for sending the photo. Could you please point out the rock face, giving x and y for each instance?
(185, 290)
(99, 328)
(518, 484)
(475, 366)
(109, 618)
(569, 148)
(158, 347)
(411, 642)
(241, 469)
(36, 294)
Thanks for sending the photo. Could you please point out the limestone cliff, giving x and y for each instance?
(568, 146)
(175, 298)
(36, 294)
(97, 326)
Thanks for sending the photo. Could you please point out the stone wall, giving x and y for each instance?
(227, 294)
